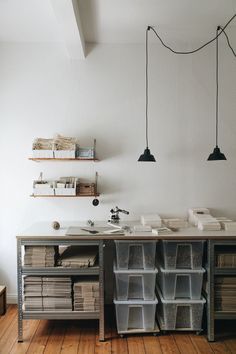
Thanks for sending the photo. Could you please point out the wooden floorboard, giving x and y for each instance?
(168, 344)
(135, 344)
(152, 344)
(118, 344)
(82, 337)
(201, 344)
(71, 339)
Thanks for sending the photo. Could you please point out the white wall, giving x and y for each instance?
(42, 92)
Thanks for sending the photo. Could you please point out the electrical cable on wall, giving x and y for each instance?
(222, 30)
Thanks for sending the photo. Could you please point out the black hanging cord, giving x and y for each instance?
(146, 83)
(199, 48)
(229, 44)
(217, 82)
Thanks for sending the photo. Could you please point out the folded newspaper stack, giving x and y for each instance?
(78, 257)
(39, 256)
(86, 295)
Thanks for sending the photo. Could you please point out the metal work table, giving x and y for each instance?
(42, 234)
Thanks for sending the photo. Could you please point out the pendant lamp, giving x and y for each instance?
(217, 154)
(147, 156)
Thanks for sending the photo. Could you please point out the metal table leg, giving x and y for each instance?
(210, 293)
(101, 292)
(19, 292)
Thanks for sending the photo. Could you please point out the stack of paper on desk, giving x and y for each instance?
(152, 220)
(161, 231)
(39, 256)
(207, 222)
(228, 225)
(194, 213)
(176, 223)
(86, 295)
(78, 256)
(142, 228)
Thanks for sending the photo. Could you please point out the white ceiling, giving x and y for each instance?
(115, 21)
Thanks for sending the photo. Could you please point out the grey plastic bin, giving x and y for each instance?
(180, 283)
(135, 254)
(135, 284)
(180, 314)
(135, 314)
(177, 254)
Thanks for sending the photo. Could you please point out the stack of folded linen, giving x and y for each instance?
(43, 144)
(208, 223)
(56, 293)
(152, 220)
(78, 257)
(194, 213)
(33, 293)
(39, 256)
(86, 295)
(65, 143)
(175, 223)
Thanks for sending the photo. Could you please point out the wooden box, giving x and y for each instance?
(3, 300)
(87, 189)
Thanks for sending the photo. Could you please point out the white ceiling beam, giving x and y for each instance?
(67, 14)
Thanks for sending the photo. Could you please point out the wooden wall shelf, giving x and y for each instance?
(65, 196)
(38, 159)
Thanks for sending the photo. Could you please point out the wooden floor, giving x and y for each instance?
(81, 337)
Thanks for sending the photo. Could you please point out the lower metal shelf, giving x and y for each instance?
(60, 315)
(61, 271)
(222, 315)
(225, 271)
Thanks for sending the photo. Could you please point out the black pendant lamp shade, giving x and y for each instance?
(147, 156)
(217, 155)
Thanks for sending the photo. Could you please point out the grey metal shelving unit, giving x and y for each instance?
(52, 271)
(213, 272)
